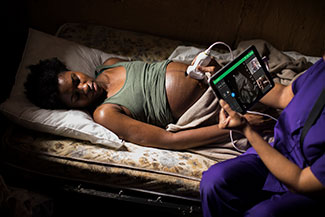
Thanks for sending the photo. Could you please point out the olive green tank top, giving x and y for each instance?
(144, 91)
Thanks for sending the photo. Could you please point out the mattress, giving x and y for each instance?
(148, 169)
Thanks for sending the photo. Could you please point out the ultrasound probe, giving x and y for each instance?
(203, 59)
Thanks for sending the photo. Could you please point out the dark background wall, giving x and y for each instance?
(288, 24)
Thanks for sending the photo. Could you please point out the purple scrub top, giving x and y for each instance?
(287, 131)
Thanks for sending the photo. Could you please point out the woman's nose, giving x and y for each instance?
(83, 87)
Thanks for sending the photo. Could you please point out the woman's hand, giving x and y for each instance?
(238, 121)
(229, 119)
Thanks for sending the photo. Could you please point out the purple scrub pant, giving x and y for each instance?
(234, 188)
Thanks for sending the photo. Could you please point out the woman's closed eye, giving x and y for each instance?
(75, 80)
(75, 83)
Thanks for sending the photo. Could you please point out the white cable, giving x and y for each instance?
(251, 112)
(220, 42)
(233, 143)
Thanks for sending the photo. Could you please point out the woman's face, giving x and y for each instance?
(78, 90)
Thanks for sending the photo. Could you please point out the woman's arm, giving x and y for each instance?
(297, 179)
(112, 117)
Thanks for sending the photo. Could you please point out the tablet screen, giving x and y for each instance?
(243, 81)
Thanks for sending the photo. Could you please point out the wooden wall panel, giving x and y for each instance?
(288, 24)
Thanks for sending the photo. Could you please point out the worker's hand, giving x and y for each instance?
(229, 119)
(259, 123)
(212, 68)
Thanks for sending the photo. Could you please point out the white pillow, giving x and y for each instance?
(69, 123)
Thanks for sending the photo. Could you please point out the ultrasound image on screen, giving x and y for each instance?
(245, 86)
(242, 82)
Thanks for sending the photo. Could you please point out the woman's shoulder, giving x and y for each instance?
(103, 111)
(109, 63)
(112, 61)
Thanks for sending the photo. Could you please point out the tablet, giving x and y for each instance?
(243, 81)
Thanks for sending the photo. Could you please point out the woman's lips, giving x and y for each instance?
(93, 89)
(94, 86)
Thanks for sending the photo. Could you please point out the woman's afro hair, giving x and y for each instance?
(41, 86)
